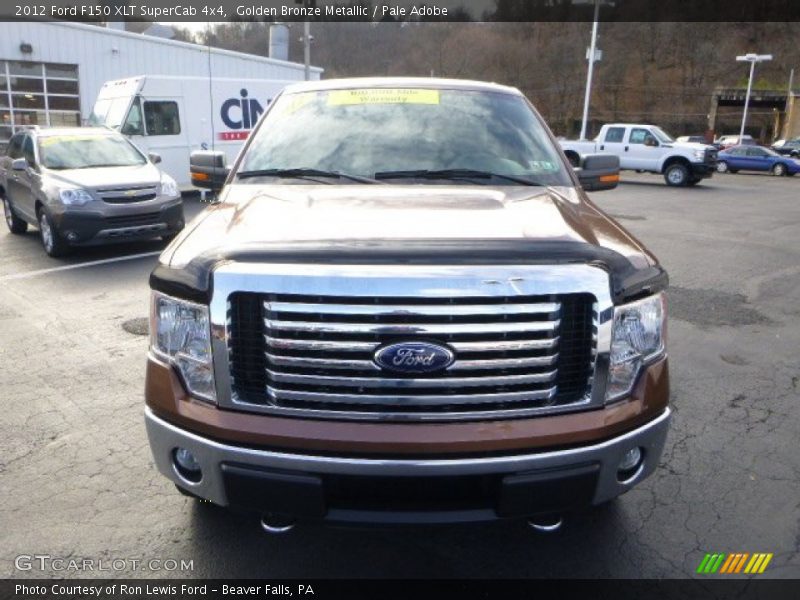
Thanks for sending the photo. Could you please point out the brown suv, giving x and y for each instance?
(404, 308)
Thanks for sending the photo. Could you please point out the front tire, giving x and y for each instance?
(722, 167)
(54, 245)
(779, 170)
(15, 224)
(677, 175)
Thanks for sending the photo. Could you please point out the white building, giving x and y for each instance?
(51, 72)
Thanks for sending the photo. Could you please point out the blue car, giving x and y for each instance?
(756, 158)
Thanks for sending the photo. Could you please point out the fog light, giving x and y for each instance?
(629, 465)
(186, 465)
(72, 236)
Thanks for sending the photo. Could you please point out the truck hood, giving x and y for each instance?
(689, 146)
(106, 177)
(292, 215)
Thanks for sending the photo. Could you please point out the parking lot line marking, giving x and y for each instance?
(91, 263)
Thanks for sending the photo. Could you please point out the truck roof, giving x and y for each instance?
(628, 125)
(399, 82)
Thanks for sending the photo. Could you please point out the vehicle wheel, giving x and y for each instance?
(677, 175)
(15, 224)
(52, 241)
(722, 167)
(779, 170)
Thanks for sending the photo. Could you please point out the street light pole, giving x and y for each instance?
(589, 74)
(752, 59)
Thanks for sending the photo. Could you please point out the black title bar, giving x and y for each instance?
(402, 10)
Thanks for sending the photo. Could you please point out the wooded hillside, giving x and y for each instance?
(656, 72)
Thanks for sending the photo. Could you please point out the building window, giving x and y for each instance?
(34, 93)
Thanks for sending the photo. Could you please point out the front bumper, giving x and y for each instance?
(355, 489)
(123, 223)
(704, 170)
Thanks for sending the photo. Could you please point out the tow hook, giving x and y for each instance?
(546, 523)
(276, 524)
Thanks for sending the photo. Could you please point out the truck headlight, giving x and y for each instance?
(180, 334)
(637, 338)
(169, 187)
(74, 196)
(699, 154)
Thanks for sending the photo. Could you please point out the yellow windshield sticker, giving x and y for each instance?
(383, 96)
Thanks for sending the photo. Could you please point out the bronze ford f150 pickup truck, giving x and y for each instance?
(405, 309)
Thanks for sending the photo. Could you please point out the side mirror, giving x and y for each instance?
(599, 172)
(19, 164)
(154, 157)
(208, 169)
(648, 141)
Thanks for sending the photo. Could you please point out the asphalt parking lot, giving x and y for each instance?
(77, 478)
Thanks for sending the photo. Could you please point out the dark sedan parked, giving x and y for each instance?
(756, 158)
(789, 148)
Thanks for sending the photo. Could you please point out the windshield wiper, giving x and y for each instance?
(452, 174)
(303, 173)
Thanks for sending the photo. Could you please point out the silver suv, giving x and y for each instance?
(86, 186)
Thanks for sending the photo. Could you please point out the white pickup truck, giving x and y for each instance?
(648, 148)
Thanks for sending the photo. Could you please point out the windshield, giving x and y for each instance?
(422, 135)
(109, 112)
(662, 136)
(87, 151)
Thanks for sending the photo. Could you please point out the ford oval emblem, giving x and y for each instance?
(414, 357)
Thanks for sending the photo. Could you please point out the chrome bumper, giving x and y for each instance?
(165, 437)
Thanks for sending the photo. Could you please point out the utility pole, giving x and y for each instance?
(752, 59)
(307, 49)
(591, 59)
(307, 38)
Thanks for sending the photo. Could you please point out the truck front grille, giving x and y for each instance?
(316, 352)
(128, 195)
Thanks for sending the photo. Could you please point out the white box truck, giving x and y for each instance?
(173, 116)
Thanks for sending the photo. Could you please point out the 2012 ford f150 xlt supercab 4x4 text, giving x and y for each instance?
(404, 308)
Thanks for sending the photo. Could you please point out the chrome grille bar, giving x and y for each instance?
(369, 365)
(350, 346)
(413, 328)
(383, 310)
(398, 400)
(403, 383)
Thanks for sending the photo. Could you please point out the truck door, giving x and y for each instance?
(165, 135)
(612, 142)
(643, 151)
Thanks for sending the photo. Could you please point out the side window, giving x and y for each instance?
(615, 134)
(755, 152)
(161, 118)
(15, 146)
(133, 122)
(642, 136)
(27, 151)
